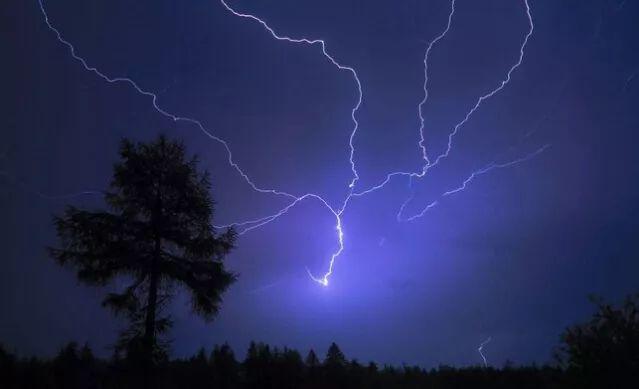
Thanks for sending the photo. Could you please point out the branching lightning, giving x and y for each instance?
(457, 126)
(468, 180)
(492, 92)
(250, 225)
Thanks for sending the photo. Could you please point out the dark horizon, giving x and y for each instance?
(549, 217)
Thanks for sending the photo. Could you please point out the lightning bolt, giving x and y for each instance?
(250, 225)
(323, 280)
(420, 114)
(322, 44)
(420, 107)
(468, 180)
(177, 118)
(154, 99)
(492, 92)
(468, 114)
(480, 350)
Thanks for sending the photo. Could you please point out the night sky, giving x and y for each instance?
(513, 257)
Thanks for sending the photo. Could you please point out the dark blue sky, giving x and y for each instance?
(513, 257)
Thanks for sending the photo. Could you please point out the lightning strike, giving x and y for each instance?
(480, 350)
(322, 44)
(175, 117)
(250, 225)
(457, 127)
(154, 99)
(420, 114)
(475, 107)
(468, 180)
(420, 107)
(492, 92)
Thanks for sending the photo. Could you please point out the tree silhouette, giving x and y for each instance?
(334, 367)
(157, 234)
(225, 366)
(265, 367)
(605, 350)
(334, 356)
(311, 359)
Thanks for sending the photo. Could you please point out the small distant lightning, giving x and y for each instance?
(250, 225)
(480, 350)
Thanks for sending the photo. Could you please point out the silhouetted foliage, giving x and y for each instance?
(225, 367)
(7, 366)
(157, 232)
(263, 367)
(601, 353)
(604, 352)
(311, 359)
(334, 356)
(335, 367)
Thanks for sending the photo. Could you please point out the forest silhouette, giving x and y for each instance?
(157, 236)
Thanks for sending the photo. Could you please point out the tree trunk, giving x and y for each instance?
(149, 325)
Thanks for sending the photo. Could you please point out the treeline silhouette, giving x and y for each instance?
(263, 367)
(602, 352)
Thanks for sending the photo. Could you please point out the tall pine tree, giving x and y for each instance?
(157, 233)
